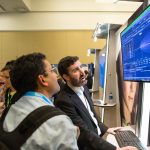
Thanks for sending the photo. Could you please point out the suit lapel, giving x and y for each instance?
(77, 101)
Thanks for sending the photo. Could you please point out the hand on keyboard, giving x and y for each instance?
(113, 130)
(127, 148)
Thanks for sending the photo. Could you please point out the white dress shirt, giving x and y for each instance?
(79, 92)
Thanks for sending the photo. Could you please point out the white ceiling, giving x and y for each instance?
(66, 5)
(62, 14)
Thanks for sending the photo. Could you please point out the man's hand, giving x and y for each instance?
(112, 130)
(127, 148)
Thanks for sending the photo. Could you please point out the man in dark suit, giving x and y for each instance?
(74, 99)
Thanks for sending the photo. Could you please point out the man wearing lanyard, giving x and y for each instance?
(74, 99)
(35, 82)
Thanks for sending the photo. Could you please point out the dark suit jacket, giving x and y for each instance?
(68, 101)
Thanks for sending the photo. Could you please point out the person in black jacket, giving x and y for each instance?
(74, 99)
(89, 79)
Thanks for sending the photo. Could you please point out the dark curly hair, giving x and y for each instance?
(65, 62)
(9, 65)
(25, 72)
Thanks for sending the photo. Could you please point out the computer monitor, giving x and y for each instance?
(135, 45)
(102, 73)
(135, 49)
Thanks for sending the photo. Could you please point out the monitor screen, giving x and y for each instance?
(135, 44)
(102, 69)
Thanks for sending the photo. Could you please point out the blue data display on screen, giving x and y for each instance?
(135, 44)
(102, 69)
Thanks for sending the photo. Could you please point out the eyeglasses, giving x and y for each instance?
(53, 70)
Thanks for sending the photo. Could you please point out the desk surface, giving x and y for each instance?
(98, 104)
(111, 138)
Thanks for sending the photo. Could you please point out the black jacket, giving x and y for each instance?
(68, 101)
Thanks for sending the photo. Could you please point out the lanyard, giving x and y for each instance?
(44, 98)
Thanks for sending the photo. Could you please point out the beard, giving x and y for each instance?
(78, 82)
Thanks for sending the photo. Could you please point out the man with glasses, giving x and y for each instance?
(35, 81)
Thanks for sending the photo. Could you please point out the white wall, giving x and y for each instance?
(59, 20)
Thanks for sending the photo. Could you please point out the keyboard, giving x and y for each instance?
(128, 138)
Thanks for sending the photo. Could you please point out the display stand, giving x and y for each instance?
(107, 33)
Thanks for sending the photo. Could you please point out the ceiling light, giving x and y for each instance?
(107, 1)
(115, 1)
(104, 1)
